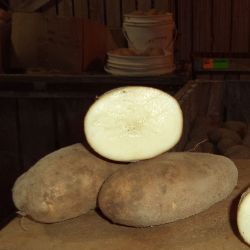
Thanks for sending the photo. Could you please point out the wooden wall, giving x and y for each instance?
(203, 26)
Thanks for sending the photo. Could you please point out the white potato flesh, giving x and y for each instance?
(133, 123)
(243, 216)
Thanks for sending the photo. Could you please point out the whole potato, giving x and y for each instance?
(238, 152)
(168, 188)
(215, 135)
(62, 185)
(237, 126)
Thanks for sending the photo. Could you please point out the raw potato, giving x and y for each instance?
(243, 216)
(168, 188)
(237, 126)
(62, 185)
(246, 140)
(133, 123)
(238, 152)
(217, 134)
(224, 144)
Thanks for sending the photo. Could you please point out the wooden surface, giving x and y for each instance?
(214, 228)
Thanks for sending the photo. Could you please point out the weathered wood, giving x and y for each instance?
(96, 10)
(202, 40)
(81, 8)
(144, 5)
(128, 6)
(240, 26)
(10, 166)
(237, 101)
(164, 5)
(69, 119)
(37, 131)
(184, 40)
(65, 8)
(27, 5)
(221, 25)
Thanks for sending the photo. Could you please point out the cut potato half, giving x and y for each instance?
(133, 123)
(243, 216)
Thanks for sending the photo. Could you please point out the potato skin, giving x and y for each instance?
(215, 135)
(62, 185)
(168, 188)
(238, 152)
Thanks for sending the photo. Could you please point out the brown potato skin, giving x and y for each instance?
(168, 188)
(215, 135)
(62, 185)
(238, 152)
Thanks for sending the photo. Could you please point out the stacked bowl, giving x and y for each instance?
(150, 37)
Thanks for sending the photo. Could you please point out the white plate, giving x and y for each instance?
(156, 72)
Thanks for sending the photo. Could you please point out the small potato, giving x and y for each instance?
(224, 144)
(217, 134)
(168, 188)
(237, 126)
(62, 185)
(246, 139)
(238, 152)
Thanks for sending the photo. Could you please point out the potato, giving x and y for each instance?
(238, 152)
(246, 140)
(214, 135)
(168, 188)
(133, 123)
(237, 126)
(243, 216)
(224, 144)
(62, 185)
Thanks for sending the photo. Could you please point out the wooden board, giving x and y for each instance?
(96, 10)
(37, 131)
(214, 228)
(144, 5)
(10, 159)
(81, 8)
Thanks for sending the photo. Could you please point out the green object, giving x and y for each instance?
(220, 63)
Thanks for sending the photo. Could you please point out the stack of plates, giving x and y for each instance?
(126, 65)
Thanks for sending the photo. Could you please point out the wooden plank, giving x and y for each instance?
(241, 26)
(184, 40)
(96, 10)
(81, 8)
(10, 167)
(128, 6)
(113, 13)
(202, 39)
(114, 21)
(27, 5)
(69, 119)
(37, 131)
(144, 5)
(221, 25)
(166, 5)
(65, 8)
(237, 101)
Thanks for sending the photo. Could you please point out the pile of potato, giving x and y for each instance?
(136, 125)
(232, 139)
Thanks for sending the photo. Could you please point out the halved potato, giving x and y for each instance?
(243, 216)
(133, 123)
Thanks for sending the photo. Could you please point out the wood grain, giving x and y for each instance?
(81, 8)
(221, 25)
(65, 8)
(144, 5)
(10, 167)
(37, 131)
(240, 26)
(202, 39)
(96, 10)
(128, 6)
